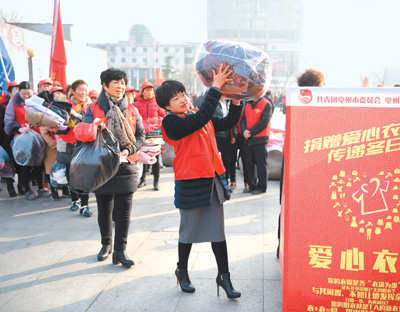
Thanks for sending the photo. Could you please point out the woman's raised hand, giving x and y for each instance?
(221, 76)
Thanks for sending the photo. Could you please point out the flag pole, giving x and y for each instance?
(5, 69)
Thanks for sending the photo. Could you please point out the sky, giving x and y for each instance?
(345, 39)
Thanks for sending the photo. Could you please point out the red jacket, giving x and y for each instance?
(196, 155)
(130, 117)
(151, 113)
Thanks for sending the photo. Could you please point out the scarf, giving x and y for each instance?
(73, 121)
(117, 123)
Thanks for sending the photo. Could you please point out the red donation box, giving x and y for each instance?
(340, 226)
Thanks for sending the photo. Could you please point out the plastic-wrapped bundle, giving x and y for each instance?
(6, 165)
(58, 175)
(28, 149)
(94, 163)
(251, 68)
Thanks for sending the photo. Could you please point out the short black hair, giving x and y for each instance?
(167, 91)
(24, 85)
(111, 74)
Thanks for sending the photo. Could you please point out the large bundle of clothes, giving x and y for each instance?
(42, 110)
(251, 68)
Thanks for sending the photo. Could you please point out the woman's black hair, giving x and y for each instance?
(24, 85)
(77, 83)
(167, 91)
(111, 74)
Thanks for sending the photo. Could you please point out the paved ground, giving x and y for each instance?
(48, 256)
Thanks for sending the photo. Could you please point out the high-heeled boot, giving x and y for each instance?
(121, 257)
(183, 280)
(104, 252)
(224, 280)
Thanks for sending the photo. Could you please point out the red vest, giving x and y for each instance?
(130, 118)
(253, 116)
(196, 155)
(20, 116)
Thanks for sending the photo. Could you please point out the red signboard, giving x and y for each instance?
(340, 226)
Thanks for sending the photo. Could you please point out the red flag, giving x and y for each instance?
(366, 82)
(145, 76)
(159, 77)
(58, 58)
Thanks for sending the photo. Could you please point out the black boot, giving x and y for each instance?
(142, 183)
(155, 184)
(54, 193)
(224, 280)
(121, 257)
(104, 252)
(183, 280)
(10, 187)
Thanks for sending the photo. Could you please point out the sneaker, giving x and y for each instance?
(85, 211)
(75, 205)
(44, 193)
(30, 195)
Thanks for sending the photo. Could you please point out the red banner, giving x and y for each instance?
(58, 58)
(340, 226)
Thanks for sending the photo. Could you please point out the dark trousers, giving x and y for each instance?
(256, 164)
(118, 206)
(74, 195)
(239, 145)
(25, 174)
(155, 168)
(225, 148)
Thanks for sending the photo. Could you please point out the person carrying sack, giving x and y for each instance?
(114, 198)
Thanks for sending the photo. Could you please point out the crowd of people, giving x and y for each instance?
(215, 134)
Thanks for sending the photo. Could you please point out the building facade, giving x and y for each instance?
(141, 54)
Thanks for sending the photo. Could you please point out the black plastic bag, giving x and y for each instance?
(94, 163)
(28, 149)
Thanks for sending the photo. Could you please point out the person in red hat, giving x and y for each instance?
(152, 116)
(130, 94)
(56, 91)
(93, 95)
(12, 88)
(45, 85)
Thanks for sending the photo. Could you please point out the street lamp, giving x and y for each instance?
(31, 54)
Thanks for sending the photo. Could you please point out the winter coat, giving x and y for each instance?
(196, 192)
(151, 113)
(127, 178)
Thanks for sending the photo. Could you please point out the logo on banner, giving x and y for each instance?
(367, 203)
(305, 96)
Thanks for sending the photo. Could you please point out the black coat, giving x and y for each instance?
(127, 178)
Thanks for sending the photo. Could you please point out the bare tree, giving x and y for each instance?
(9, 17)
